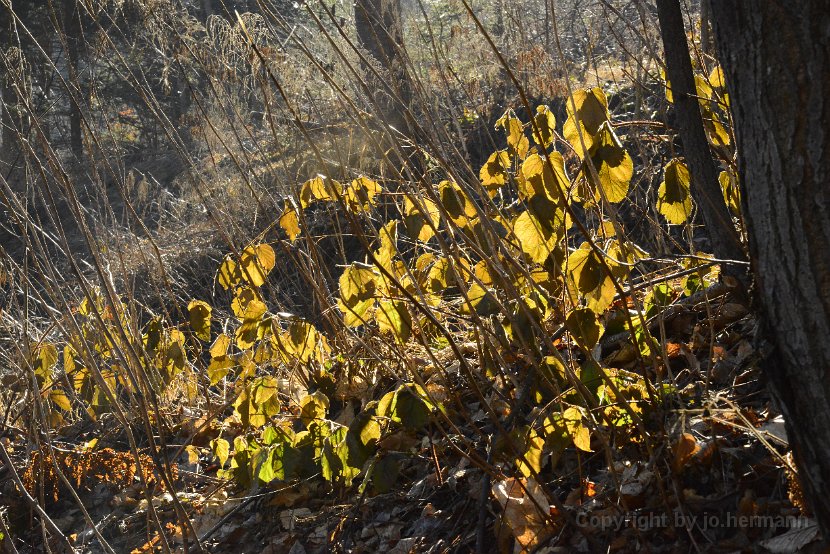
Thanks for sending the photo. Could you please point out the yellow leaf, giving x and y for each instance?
(256, 262)
(715, 130)
(583, 326)
(229, 273)
(704, 90)
(544, 176)
(537, 238)
(59, 399)
(393, 317)
(545, 122)
(200, 312)
(533, 455)
(703, 87)
(493, 173)
(580, 434)
(357, 293)
(591, 112)
(250, 331)
(588, 278)
(319, 188)
(516, 140)
(290, 221)
(416, 223)
(360, 194)
(731, 192)
(218, 368)
(300, 341)
(192, 454)
(716, 78)
(221, 449)
(264, 388)
(613, 164)
(479, 300)
(220, 346)
(674, 199)
(313, 407)
(458, 205)
(388, 244)
(246, 304)
(47, 357)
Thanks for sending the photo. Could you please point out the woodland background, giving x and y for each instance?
(412, 276)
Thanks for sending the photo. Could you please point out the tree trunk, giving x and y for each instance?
(706, 190)
(8, 141)
(378, 26)
(776, 57)
(705, 27)
(72, 30)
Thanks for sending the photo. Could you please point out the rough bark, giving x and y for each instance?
(378, 26)
(8, 146)
(72, 30)
(776, 57)
(706, 190)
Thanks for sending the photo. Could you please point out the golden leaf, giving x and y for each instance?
(200, 312)
(290, 221)
(590, 113)
(674, 199)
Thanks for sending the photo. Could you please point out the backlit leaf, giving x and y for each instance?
(588, 278)
(319, 188)
(360, 194)
(533, 455)
(59, 399)
(583, 326)
(591, 112)
(290, 221)
(545, 122)
(516, 140)
(313, 407)
(246, 304)
(357, 293)
(613, 164)
(47, 357)
(544, 177)
(493, 173)
(199, 312)
(731, 192)
(218, 368)
(229, 273)
(220, 346)
(578, 432)
(537, 238)
(393, 317)
(458, 205)
(414, 221)
(256, 262)
(221, 449)
(674, 199)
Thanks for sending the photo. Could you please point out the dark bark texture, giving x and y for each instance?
(8, 99)
(776, 56)
(378, 27)
(706, 191)
(72, 31)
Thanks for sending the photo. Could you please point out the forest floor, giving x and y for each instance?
(717, 482)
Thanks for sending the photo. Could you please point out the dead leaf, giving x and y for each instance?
(684, 450)
(525, 510)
